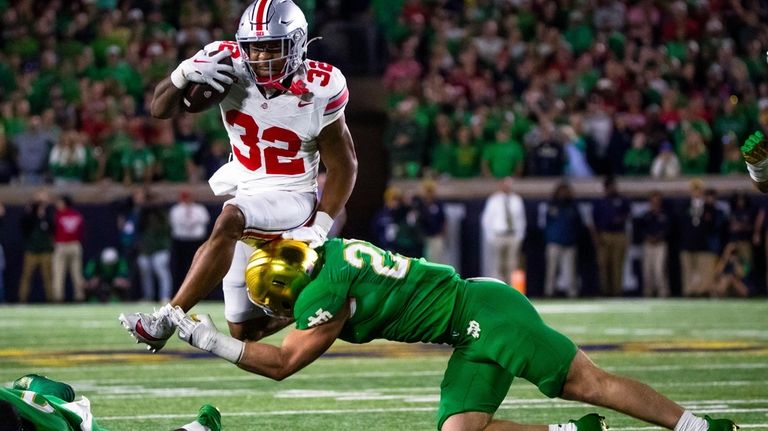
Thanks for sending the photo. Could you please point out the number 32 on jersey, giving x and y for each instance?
(276, 161)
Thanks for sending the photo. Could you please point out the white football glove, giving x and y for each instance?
(314, 235)
(199, 331)
(203, 69)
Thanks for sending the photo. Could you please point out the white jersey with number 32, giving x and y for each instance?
(274, 139)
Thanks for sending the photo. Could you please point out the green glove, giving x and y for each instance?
(45, 386)
(755, 149)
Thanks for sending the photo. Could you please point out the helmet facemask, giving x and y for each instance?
(288, 51)
(273, 21)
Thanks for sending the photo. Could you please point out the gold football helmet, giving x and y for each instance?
(276, 274)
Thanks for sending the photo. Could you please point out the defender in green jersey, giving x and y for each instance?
(36, 403)
(357, 292)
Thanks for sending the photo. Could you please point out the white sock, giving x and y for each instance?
(195, 426)
(563, 427)
(690, 422)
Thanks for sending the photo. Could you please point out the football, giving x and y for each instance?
(199, 97)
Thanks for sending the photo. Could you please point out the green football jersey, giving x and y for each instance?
(50, 413)
(393, 297)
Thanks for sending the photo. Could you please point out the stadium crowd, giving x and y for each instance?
(567, 88)
(575, 88)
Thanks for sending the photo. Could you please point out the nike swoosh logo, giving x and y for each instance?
(285, 22)
(303, 104)
(200, 61)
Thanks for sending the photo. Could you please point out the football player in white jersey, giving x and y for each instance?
(283, 114)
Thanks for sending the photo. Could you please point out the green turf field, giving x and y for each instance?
(712, 356)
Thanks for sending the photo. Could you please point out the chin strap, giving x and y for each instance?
(297, 88)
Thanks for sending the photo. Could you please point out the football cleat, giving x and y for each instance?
(154, 329)
(590, 422)
(720, 424)
(210, 417)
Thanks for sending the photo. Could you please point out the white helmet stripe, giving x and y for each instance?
(262, 14)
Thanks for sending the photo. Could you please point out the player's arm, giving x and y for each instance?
(167, 99)
(299, 348)
(200, 68)
(337, 151)
(755, 152)
(264, 326)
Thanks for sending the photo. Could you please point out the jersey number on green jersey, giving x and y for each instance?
(36, 401)
(355, 250)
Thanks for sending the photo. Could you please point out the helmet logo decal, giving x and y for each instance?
(261, 14)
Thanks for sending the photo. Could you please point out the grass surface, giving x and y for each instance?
(711, 356)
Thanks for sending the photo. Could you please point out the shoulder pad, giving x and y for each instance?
(224, 44)
(323, 79)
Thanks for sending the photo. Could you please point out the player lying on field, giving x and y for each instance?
(36, 403)
(354, 291)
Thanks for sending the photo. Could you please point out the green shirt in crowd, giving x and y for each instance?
(504, 158)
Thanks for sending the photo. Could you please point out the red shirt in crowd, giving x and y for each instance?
(69, 225)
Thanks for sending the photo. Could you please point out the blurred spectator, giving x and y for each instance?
(609, 233)
(189, 137)
(546, 158)
(67, 249)
(116, 145)
(68, 159)
(731, 271)
(665, 164)
(189, 229)
(107, 277)
(466, 155)
(138, 163)
(397, 224)
(386, 221)
(575, 151)
(443, 147)
(653, 233)
(694, 157)
(733, 161)
(741, 229)
(37, 232)
(638, 159)
(8, 169)
(173, 163)
(128, 221)
(432, 222)
(32, 147)
(503, 157)
(699, 227)
(503, 225)
(216, 157)
(563, 226)
(405, 138)
(154, 243)
(409, 240)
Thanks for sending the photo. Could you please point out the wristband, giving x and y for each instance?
(178, 79)
(323, 220)
(227, 347)
(759, 171)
